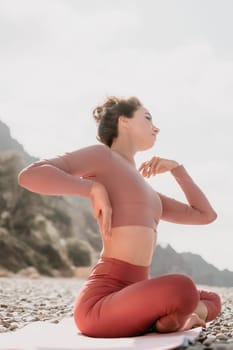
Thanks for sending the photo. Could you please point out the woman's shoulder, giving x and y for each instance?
(95, 154)
(96, 150)
(82, 160)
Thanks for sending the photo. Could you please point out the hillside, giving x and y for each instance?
(167, 260)
(35, 230)
(9, 143)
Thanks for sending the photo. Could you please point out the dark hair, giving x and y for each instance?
(106, 115)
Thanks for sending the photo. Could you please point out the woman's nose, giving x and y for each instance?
(155, 129)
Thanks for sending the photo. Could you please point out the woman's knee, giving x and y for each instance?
(186, 295)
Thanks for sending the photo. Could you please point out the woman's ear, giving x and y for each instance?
(123, 121)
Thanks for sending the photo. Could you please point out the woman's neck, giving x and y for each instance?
(125, 152)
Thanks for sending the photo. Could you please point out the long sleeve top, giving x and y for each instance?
(133, 200)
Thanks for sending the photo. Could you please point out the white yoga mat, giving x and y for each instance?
(44, 335)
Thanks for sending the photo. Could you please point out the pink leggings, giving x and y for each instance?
(120, 300)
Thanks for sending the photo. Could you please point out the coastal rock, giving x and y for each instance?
(30, 272)
(5, 273)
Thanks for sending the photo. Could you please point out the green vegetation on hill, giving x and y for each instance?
(35, 230)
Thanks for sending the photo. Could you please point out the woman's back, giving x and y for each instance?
(136, 207)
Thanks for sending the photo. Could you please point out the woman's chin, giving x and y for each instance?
(145, 148)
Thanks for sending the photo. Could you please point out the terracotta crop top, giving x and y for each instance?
(133, 200)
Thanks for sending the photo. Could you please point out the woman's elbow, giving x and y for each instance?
(22, 178)
(210, 217)
(29, 176)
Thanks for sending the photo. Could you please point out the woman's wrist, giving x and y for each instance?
(174, 165)
(94, 188)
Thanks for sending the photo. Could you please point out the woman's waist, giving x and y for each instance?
(114, 268)
(134, 244)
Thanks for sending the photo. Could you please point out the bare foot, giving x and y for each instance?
(167, 324)
(193, 321)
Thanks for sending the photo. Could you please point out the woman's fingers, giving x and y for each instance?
(146, 171)
(144, 165)
(96, 212)
(149, 168)
(144, 168)
(105, 221)
(102, 210)
(155, 166)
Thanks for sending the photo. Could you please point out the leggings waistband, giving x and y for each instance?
(119, 269)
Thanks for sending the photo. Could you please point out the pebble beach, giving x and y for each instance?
(26, 300)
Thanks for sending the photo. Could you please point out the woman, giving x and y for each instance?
(119, 298)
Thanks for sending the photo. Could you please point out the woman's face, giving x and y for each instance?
(142, 130)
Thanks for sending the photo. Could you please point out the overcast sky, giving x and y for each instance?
(58, 59)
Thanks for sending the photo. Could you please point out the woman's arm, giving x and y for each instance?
(198, 212)
(69, 174)
(46, 178)
(64, 174)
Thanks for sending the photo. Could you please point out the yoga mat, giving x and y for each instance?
(43, 335)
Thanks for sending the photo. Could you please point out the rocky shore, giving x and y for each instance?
(26, 300)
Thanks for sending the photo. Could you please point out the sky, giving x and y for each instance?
(59, 59)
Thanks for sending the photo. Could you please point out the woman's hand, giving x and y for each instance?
(157, 166)
(102, 210)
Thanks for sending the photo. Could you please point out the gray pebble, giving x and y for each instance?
(13, 326)
(209, 340)
(30, 319)
(55, 321)
(221, 336)
(3, 329)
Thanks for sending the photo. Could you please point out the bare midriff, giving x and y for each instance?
(133, 244)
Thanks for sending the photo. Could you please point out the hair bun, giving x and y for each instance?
(98, 114)
(111, 101)
(100, 111)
